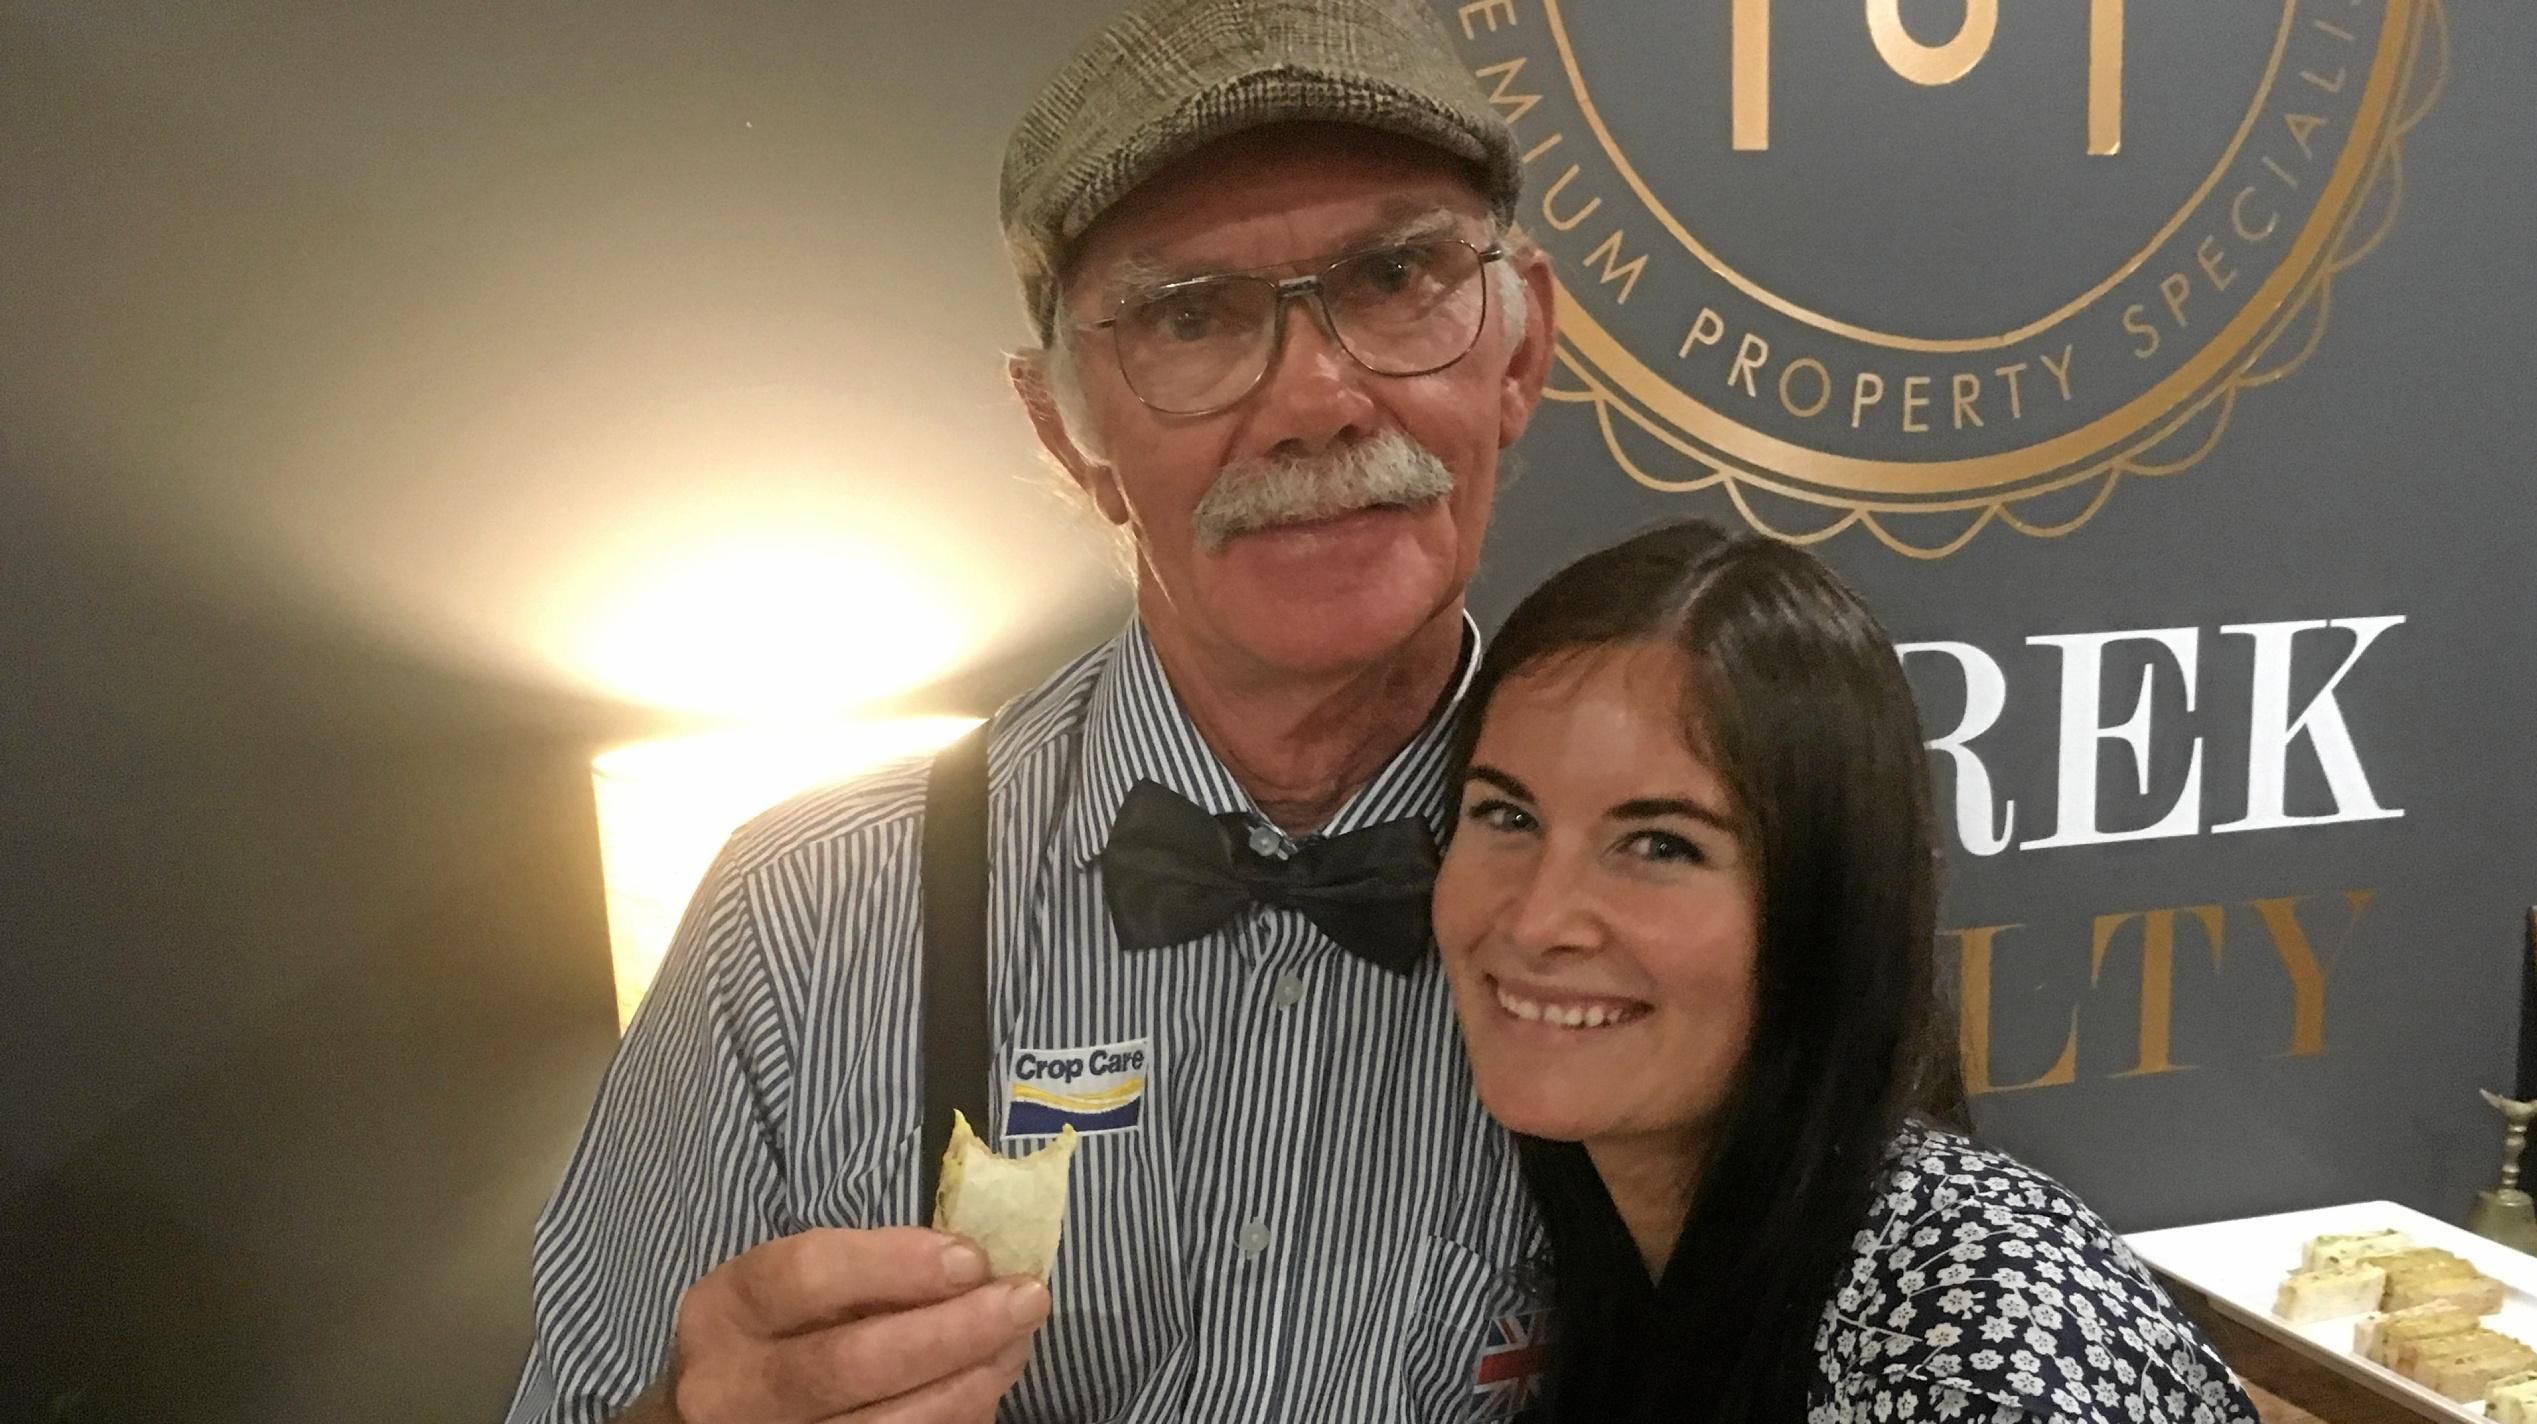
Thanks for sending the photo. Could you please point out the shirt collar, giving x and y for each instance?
(1137, 730)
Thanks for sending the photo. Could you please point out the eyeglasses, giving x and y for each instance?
(1404, 309)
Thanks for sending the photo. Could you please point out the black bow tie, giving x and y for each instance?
(1172, 873)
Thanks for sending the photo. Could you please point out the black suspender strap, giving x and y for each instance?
(955, 1051)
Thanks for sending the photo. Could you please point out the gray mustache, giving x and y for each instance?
(1388, 470)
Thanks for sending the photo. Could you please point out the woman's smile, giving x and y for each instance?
(1557, 1009)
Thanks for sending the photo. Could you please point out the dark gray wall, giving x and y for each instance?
(306, 987)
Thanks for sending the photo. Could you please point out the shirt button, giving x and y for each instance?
(1253, 1238)
(1267, 842)
(1289, 991)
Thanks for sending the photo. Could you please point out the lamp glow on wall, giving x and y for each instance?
(774, 627)
(667, 807)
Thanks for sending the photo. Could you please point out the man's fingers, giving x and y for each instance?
(969, 1397)
(817, 1278)
(880, 1357)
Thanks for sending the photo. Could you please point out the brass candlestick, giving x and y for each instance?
(2505, 1213)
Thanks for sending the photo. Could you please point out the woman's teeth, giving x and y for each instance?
(1572, 1013)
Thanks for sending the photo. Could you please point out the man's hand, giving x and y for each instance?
(893, 1326)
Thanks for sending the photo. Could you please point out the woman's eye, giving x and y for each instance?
(1500, 816)
(1664, 847)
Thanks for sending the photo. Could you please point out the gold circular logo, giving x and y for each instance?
(1857, 269)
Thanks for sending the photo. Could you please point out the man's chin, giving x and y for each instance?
(1322, 630)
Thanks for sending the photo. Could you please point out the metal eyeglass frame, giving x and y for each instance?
(1294, 289)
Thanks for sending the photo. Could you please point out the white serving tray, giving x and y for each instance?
(2240, 1264)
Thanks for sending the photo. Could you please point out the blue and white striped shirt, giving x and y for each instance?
(1312, 1218)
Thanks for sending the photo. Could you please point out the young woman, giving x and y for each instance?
(1688, 910)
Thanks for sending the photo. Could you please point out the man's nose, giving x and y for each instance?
(1314, 393)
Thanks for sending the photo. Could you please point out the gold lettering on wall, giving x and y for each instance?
(1485, 14)
(2237, 217)
(1550, 214)
(2155, 1046)
(1502, 95)
(2158, 977)
(1973, 1012)
(1822, 379)
(2010, 373)
(2061, 368)
(1749, 62)
(1749, 90)
(1968, 389)
(1808, 385)
(1866, 391)
(1750, 353)
(1608, 252)
(1917, 435)
(1705, 330)
(2105, 76)
(2300, 962)
(1939, 63)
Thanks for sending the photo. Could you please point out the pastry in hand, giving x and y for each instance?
(1013, 1207)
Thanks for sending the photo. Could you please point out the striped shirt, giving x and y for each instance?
(1310, 1217)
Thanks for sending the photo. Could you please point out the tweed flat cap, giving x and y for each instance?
(1166, 77)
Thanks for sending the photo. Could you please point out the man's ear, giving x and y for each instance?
(1028, 371)
(1521, 390)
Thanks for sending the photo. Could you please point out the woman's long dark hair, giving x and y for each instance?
(1805, 716)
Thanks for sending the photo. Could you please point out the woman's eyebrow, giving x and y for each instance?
(1503, 782)
(1649, 808)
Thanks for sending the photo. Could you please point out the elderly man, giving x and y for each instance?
(1284, 339)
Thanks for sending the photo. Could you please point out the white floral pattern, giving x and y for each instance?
(1982, 1290)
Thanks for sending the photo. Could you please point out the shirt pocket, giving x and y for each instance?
(1476, 1335)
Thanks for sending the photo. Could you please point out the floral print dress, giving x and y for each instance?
(1983, 1291)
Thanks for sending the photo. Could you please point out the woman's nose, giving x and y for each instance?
(1551, 907)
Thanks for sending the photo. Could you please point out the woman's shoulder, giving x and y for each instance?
(1985, 1289)
(1934, 1177)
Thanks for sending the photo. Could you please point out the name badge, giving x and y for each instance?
(1095, 1089)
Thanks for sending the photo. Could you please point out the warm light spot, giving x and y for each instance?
(779, 617)
(667, 807)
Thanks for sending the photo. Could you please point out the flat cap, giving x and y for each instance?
(1166, 77)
